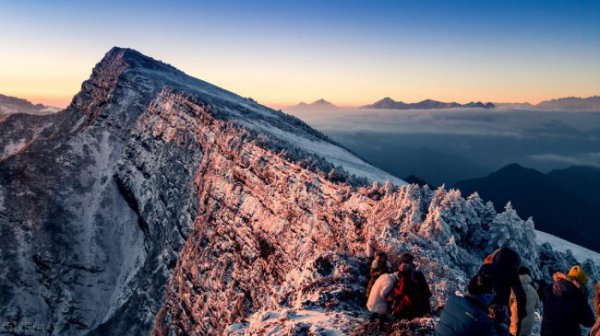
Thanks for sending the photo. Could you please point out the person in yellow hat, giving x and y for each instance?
(566, 305)
(578, 274)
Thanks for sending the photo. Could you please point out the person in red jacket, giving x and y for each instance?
(411, 293)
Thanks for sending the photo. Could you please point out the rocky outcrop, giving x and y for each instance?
(97, 201)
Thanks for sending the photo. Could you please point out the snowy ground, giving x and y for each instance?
(559, 244)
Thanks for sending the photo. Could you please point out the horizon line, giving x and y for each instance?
(63, 102)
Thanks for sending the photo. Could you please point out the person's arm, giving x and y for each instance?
(538, 301)
(424, 285)
(373, 268)
(587, 318)
(425, 292)
(387, 289)
(521, 297)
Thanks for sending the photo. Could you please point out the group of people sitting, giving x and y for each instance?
(501, 299)
(404, 293)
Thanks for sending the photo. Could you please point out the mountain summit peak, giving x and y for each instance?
(134, 58)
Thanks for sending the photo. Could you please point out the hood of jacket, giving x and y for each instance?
(564, 287)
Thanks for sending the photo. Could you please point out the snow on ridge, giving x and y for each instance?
(580, 253)
(331, 152)
(158, 76)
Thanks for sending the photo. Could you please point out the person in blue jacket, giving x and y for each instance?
(474, 313)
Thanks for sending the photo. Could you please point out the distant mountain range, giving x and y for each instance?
(317, 104)
(427, 104)
(10, 105)
(559, 104)
(563, 202)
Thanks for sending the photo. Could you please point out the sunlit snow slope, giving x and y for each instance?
(559, 244)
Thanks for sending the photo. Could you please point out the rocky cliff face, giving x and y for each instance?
(160, 203)
(97, 201)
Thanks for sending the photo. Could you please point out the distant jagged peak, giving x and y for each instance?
(321, 102)
(567, 104)
(428, 101)
(134, 58)
(388, 100)
(571, 104)
(11, 105)
(426, 104)
(125, 72)
(14, 100)
(317, 104)
(386, 103)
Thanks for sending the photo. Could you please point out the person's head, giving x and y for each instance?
(406, 258)
(507, 258)
(482, 282)
(597, 299)
(578, 274)
(524, 270)
(381, 256)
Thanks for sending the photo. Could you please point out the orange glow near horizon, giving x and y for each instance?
(53, 79)
(62, 101)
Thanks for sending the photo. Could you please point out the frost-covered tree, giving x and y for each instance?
(449, 216)
(479, 230)
(509, 230)
(412, 207)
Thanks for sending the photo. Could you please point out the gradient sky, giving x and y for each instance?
(283, 52)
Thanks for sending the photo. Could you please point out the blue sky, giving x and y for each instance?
(281, 52)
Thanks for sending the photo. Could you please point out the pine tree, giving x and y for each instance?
(479, 228)
(509, 230)
(449, 216)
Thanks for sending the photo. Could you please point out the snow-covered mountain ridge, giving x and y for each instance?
(160, 203)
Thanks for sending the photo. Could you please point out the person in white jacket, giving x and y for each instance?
(377, 302)
(533, 303)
